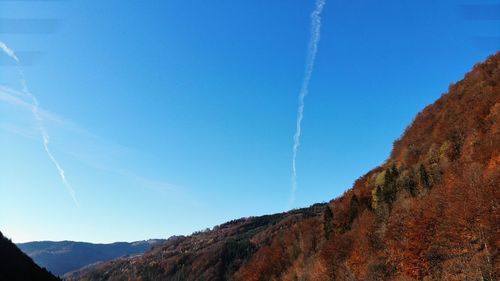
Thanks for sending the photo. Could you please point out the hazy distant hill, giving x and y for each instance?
(65, 256)
(17, 266)
(430, 212)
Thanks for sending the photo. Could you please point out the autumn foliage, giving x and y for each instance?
(430, 212)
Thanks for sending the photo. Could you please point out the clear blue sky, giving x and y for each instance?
(172, 116)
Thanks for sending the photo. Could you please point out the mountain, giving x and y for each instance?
(16, 266)
(431, 211)
(66, 256)
(205, 254)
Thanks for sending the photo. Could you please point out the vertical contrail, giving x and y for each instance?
(311, 56)
(34, 109)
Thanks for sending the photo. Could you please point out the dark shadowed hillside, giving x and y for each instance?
(430, 212)
(15, 265)
(65, 256)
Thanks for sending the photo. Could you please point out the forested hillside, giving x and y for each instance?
(430, 212)
(16, 266)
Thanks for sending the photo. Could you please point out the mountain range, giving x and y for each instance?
(431, 211)
(66, 256)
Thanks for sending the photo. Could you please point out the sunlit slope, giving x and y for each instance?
(430, 212)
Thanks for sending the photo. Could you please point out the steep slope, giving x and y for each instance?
(65, 256)
(430, 212)
(15, 265)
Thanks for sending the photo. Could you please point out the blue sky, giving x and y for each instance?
(173, 116)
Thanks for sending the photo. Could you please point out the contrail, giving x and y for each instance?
(311, 57)
(34, 109)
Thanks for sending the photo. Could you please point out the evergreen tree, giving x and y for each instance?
(328, 222)
(354, 209)
(424, 176)
(389, 188)
(410, 184)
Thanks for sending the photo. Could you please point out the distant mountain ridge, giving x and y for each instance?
(66, 256)
(17, 266)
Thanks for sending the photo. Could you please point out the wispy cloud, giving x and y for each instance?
(86, 147)
(8, 51)
(17, 130)
(17, 98)
(304, 90)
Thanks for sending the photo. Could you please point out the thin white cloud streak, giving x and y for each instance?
(8, 51)
(304, 90)
(34, 109)
(18, 99)
(90, 149)
(100, 148)
(17, 130)
(86, 146)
